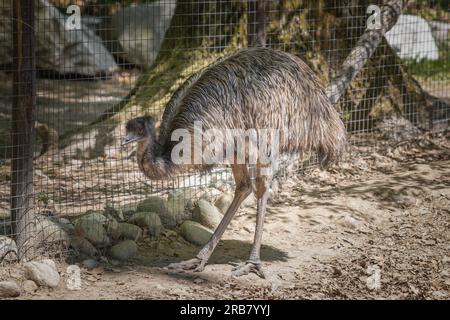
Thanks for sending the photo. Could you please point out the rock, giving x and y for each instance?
(149, 221)
(224, 201)
(207, 214)
(83, 246)
(136, 32)
(114, 213)
(93, 217)
(180, 200)
(195, 233)
(8, 249)
(49, 229)
(91, 227)
(73, 277)
(126, 231)
(159, 206)
(9, 289)
(43, 272)
(412, 38)
(123, 250)
(29, 286)
(90, 263)
(180, 204)
(58, 49)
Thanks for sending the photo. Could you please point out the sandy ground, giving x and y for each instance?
(376, 227)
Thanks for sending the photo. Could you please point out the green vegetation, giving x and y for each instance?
(431, 69)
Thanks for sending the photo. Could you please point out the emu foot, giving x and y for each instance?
(195, 264)
(244, 268)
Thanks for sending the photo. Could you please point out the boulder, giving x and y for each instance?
(90, 263)
(180, 204)
(8, 249)
(9, 289)
(94, 217)
(91, 227)
(136, 32)
(43, 272)
(29, 286)
(195, 233)
(223, 202)
(207, 214)
(83, 246)
(123, 250)
(159, 206)
(113, 213)
(149, 221)
(125, 231)
(50, 230)
(59, 49)
(95, 233)
(411, 38)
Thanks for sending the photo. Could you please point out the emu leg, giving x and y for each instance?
(253, 264)
(243, 190)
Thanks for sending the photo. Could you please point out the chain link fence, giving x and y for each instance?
(73, 72)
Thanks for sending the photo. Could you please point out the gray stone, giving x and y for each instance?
(114, 213)
(180, 200)
(136, 32)
(149, 221)
(223, 202)
(9, 289)
(90, 263)
(412, 38)
(43, 272)
(93, 217)
(49, 229)
(195, 233)
(91, 227)
(123, 250)
(29, 286)
(59, 48)
(159, 206)
(126, 231)
(8, 249)
(207, 214)
(83, 246)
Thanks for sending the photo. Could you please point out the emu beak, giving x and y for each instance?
(128, 139)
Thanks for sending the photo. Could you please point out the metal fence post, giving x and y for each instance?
(23, 115)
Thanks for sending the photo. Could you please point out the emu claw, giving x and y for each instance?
(195, 264)
(245, 268)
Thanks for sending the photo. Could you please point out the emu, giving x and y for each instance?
(255, 88)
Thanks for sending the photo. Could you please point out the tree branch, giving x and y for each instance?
(364, 49)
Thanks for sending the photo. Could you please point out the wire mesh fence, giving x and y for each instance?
(87, 66)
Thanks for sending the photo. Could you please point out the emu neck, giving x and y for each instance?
(152, 161)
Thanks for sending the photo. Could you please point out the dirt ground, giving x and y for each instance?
(375, 227)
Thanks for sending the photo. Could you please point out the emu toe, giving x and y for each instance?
(195, 264)
(244, 268)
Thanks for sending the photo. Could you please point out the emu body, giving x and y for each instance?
(255, 88)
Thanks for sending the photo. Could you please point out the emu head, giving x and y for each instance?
(139, 129)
